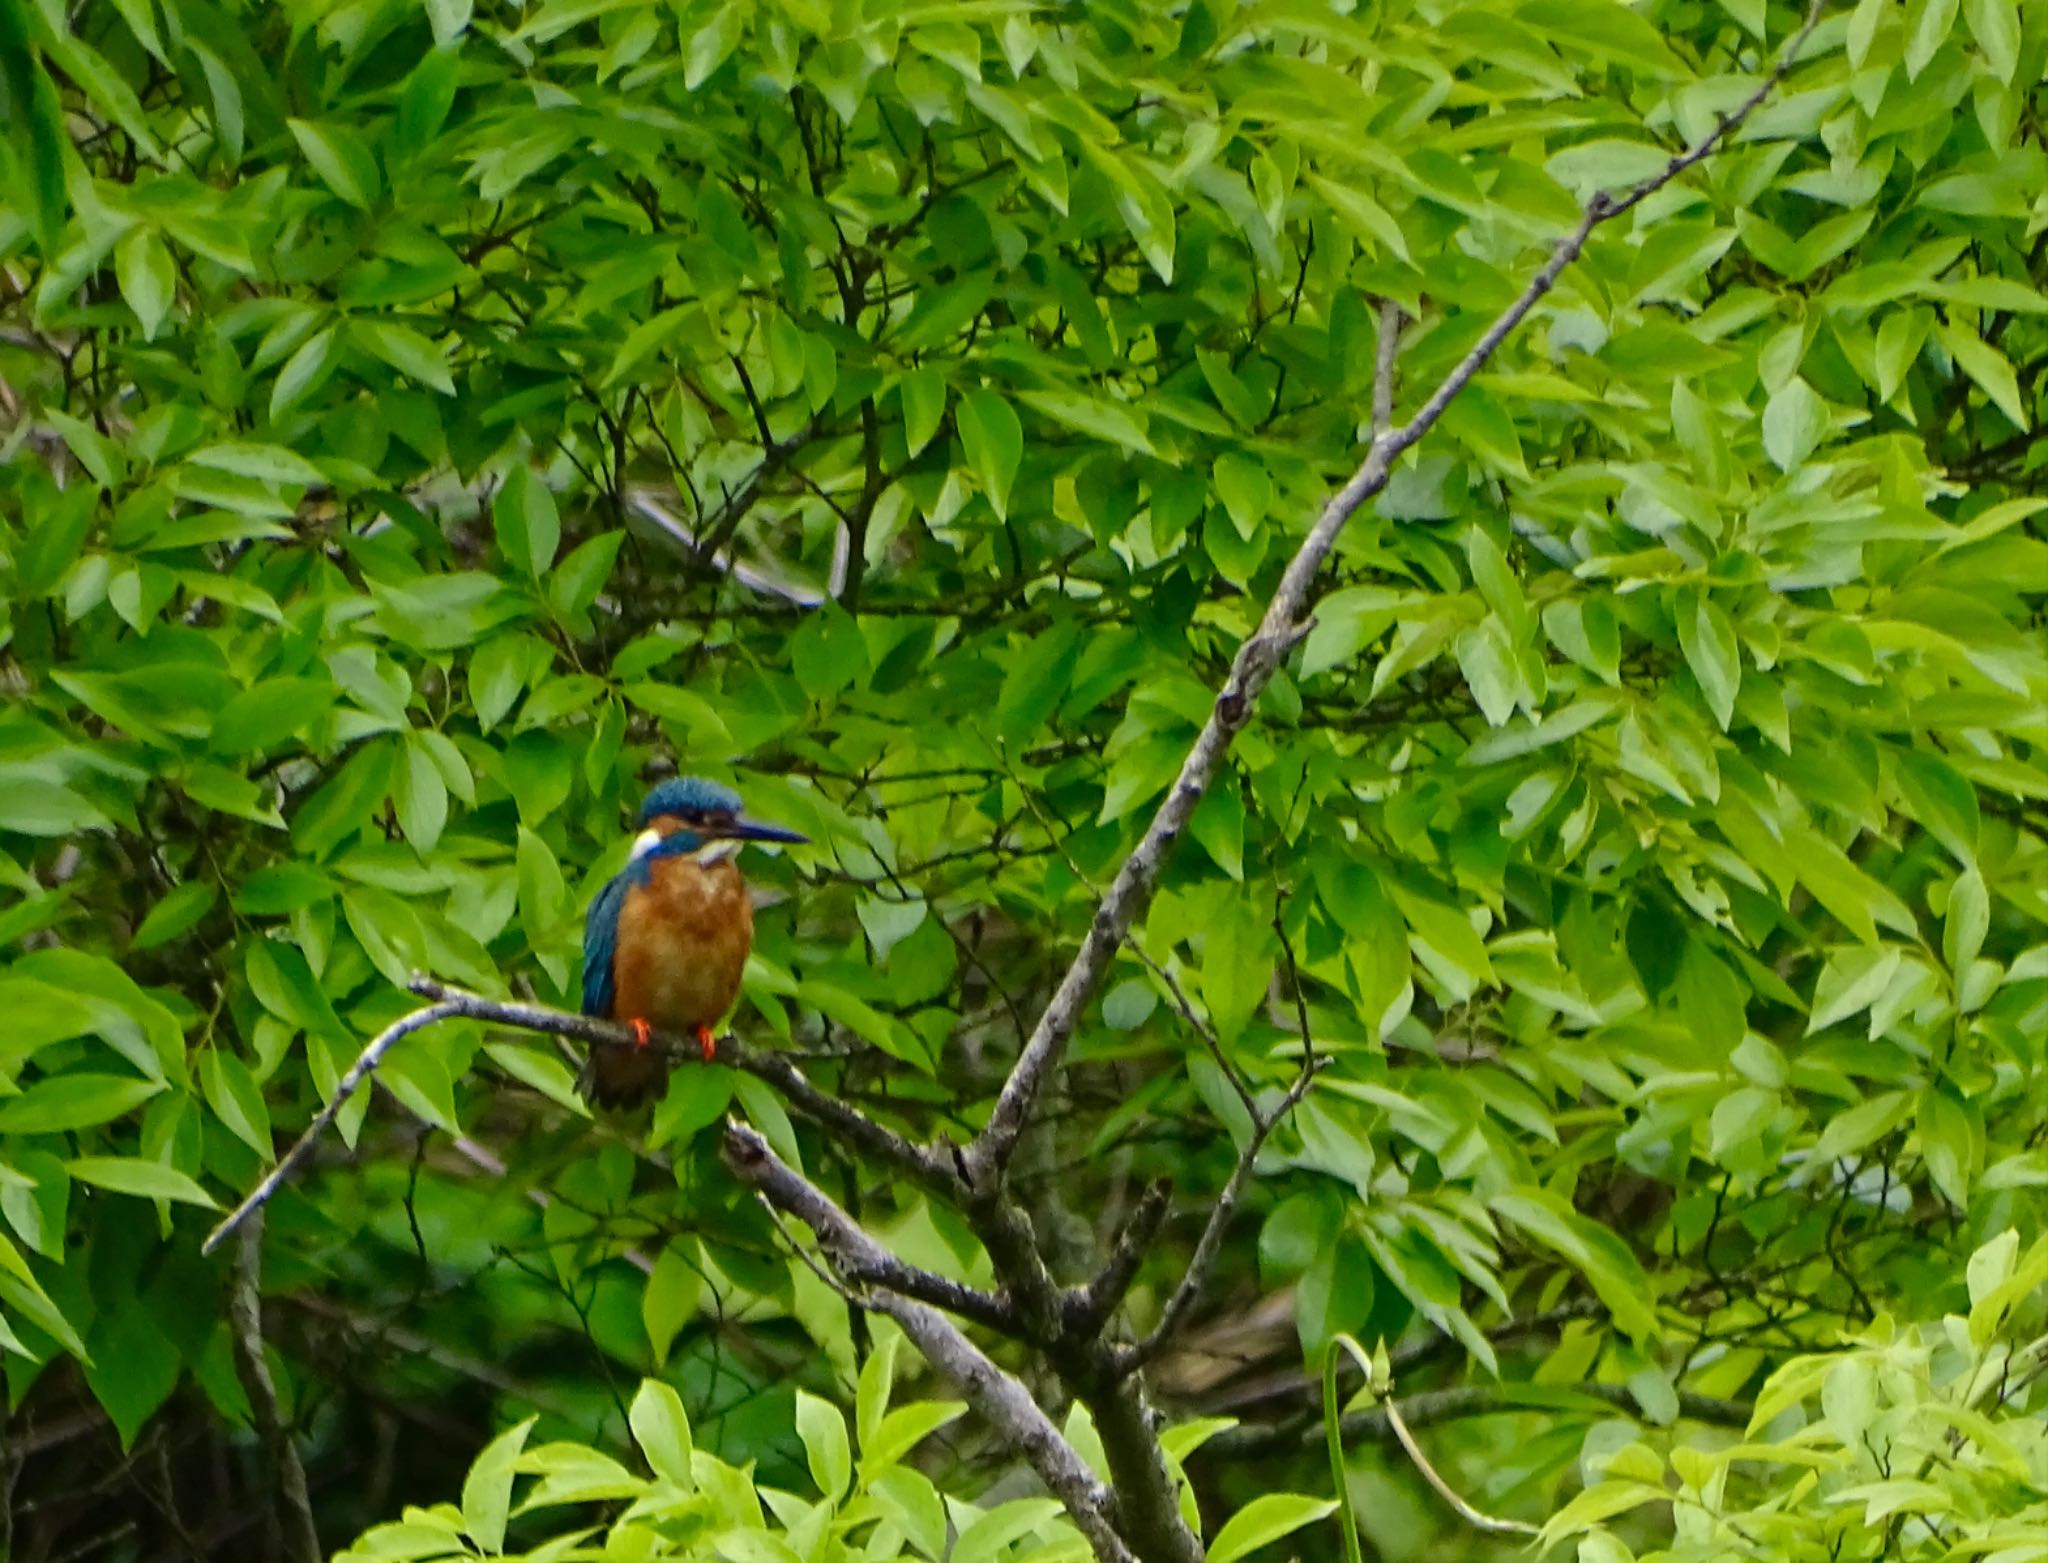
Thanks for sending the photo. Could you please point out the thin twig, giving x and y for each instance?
(1261, 654)
(1139, 1352)
(1456, 1403)
(999, 1398)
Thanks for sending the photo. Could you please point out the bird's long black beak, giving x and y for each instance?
(743, 829)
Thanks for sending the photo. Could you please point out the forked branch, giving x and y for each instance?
(1189, 1290)
(1002, 1402)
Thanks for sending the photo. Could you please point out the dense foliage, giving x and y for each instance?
(423, 424)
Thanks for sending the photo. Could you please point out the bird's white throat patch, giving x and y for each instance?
(709, 853)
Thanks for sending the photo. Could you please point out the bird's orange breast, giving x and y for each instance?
(683, 942)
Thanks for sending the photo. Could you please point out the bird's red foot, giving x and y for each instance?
(707, 1042)
(642, 1032)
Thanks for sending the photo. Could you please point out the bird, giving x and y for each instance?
(666, 941)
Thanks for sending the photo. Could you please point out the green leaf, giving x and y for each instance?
(21, 1291)
(1091, 415)
(1928, 25)
(30, 806)
(529, 526)
(405, 350)
(176, 913)
(1265, 1519)
(236, 1099)
(497, 675)
(148, 278)
(1988, 368)
(922, 394)
(669, 1301)
(1851, 895)
(1968, 921)
(1039, 677)
(74, 1101)
(1951, 1136)
(1708, 640)
(55, 535)
(35, 124)
(1237, 968)
(344, 164)
(135, 1367)
(265, 463)
(430, 89)
(1348, 621)
(1246, 491)
(420, 796)
(1218, 824)
(573, 585)
(1852, 981)
(1605, 30)
(343, 805)
(871, 1394)
(662, 1430)
(711, 44)
(994, 442)
(1995, 24)
(97, 454)
(1941, 799)
(984, 1539)
(823, 1431)
(1492, 671)
(487, 1490)
(449, 18)
(303, 373)
(145, 1179)
(903, 1430)
(1597, 1253)
(1795, 420)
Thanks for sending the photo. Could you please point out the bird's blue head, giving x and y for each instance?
(687, 813)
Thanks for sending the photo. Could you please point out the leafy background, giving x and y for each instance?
(425, 424)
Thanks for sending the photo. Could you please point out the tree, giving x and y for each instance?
(1595, 954)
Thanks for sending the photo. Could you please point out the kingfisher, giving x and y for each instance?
(665, 943)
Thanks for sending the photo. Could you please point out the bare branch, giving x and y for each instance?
(705, 540)
(1391, 320)
(1088, 1308)
(1282, 625)
(853, 1127)
(890, 1274)
(367, 1060)
(290, 1515)
(1000, 1399)
(929, 1168)
(1140, 1352)
(1456, 1403)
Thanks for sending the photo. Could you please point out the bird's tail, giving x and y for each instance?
(619, 1079)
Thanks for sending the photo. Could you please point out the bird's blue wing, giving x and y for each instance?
(600, 946)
